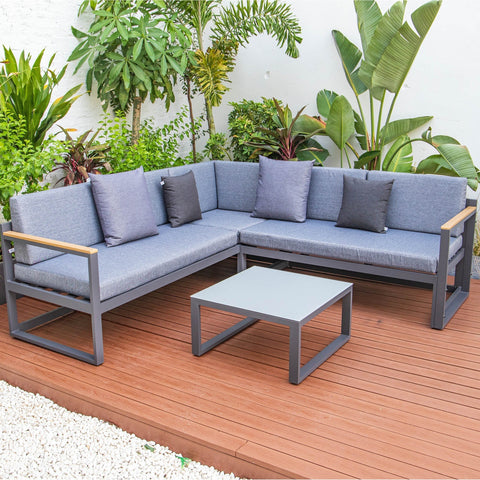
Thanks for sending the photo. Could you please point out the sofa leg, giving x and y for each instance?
(438, 304)
(241, 261)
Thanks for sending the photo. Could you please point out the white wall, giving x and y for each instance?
(443, 81)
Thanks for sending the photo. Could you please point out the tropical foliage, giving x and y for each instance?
(83, 155)
(26, 93)
(287, 140)
(157, 147)
(244, 121)
(23, 165)
(134, 49)
(378, 71)
(230, 27)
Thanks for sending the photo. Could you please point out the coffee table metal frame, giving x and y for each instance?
(297, 373)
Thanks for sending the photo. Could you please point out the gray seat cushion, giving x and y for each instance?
(132, 264)
(396, 248)
(230, 219)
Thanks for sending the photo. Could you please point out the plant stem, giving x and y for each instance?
(362, 115)
(372, 120)
(348, 159)
(379, 140)
(210, 119)
(136, 113)
(192, 120)
(390, 111)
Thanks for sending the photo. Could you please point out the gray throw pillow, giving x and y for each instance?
(282, 189)
(181, 199)
(123, 206)
(364, 204)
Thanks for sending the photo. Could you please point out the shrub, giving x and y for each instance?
(157, 147)
(22, 164)
(244, 121)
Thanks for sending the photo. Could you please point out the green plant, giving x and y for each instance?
(389, 47)
(157, 147)
(26, 93)
(22, 164)
(230, 27)
(134, 49)
(244, 121)
(216, 147)
(287, 139)
(83, 156)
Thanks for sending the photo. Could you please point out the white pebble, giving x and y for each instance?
(41, 440)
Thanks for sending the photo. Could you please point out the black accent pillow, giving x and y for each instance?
(181, 199)
(364, 204)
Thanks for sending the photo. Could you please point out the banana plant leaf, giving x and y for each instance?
(398, 55)
(351, 57)
(399, 157)
(361, 132)
(397, 128)
(340, 124)
(387, 27)
(453, 160)
(307, 125)
(312, 150)
(365, 158)
(368, 16)
(325, 99)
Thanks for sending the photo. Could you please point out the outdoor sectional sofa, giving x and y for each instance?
(61, 256)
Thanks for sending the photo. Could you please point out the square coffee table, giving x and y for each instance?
(276, 296)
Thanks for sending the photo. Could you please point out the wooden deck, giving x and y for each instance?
(398, 401)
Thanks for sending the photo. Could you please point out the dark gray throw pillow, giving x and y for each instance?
(123, 206)
(181, 199)
(364, 204)
(282, 189)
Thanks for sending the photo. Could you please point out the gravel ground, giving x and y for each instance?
(41, 440)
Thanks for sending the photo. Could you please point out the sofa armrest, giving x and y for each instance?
(49, 243)
(461, 217)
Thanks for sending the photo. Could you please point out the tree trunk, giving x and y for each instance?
(137, 109)
(192, 120)
(210, 119)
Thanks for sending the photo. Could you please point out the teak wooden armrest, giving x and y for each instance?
(460, 217)
(10, 235)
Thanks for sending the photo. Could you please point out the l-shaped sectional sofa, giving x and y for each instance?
(60, 255)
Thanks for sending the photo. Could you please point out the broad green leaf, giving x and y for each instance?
(443, 139)
(399, 157)
(350, 56)
(137, 49)
(138, 71)
(398, 128)
(386, 29)
(365, 158)
(308, 125)
(395, 63)
(312, 150)
(434, 164)
(77, 33)
(115, 72)
(368, 16)
(340, 124)
(459, 161)
(126, 76)
(150, 52)
(325, 99)
(122, 30)
(361, 131)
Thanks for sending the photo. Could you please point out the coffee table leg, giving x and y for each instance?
(294, 354)
(196, 328)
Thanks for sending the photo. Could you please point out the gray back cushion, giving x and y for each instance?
(236, 185)
(282, 190)
(123, 206)
(326, 191)
(205, 179)
(423, 203)
(155, 191)
(66, 213)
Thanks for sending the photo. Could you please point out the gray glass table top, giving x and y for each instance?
(288, 295)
